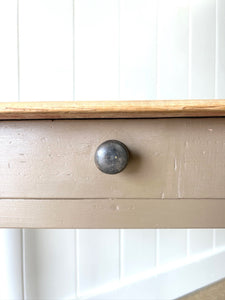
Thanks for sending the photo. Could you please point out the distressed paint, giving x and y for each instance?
(117, 213)
(45, 159)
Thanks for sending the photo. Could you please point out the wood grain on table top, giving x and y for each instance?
(111, 109)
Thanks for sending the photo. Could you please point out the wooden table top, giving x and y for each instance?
(111, 109)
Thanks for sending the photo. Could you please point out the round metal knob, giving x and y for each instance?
(111, 157)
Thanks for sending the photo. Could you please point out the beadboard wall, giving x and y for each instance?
(110, 50)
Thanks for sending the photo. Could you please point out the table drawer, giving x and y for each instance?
(169, 158)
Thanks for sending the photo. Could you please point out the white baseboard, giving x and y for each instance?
(167, 282)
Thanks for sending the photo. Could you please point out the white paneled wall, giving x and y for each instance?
(45, 29)
(107, 50)
(200, 241)
(98, 258)
(8, 51)
(96, 50)
(172, 245)
(172, 49)
(202, 48)
(138, 251)
(219, 238)
(11, 264)
(49, 264)
(220, 49)
(137, 49)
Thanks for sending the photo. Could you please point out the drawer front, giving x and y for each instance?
(169, 158)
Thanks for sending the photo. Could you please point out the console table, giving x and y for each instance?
(173, 175)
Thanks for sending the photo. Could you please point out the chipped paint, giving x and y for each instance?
(175, 164)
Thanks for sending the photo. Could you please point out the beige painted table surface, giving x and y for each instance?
(175, 177)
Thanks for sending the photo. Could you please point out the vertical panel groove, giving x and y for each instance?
(157, 52)
(96, 50)
(214, 240)
(23, 265)
(18, 49)
(188, 242)
(220, 48)
(216, 51)
(189, 50)
(118, 49)
(203, 48)
(157, 248)
(76, 263)
(73, 50)
(121, 253)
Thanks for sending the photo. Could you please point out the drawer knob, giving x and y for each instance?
(111, 157)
